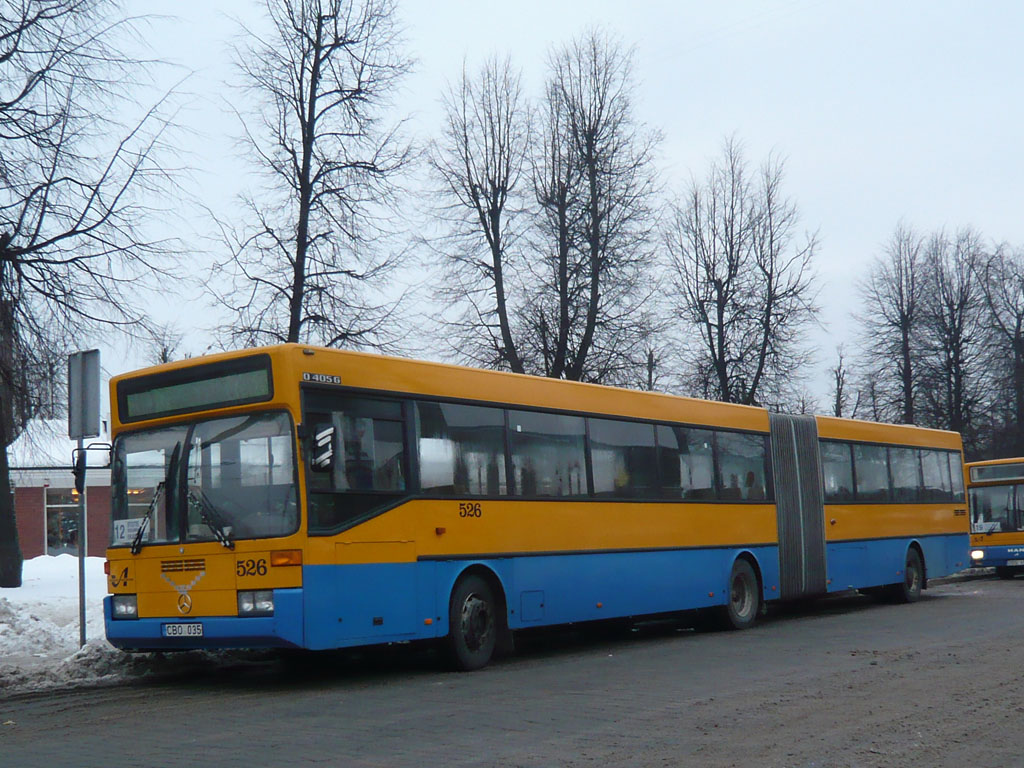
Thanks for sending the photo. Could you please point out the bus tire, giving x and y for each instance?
(744, 597)
(909, 590)
(472, 624)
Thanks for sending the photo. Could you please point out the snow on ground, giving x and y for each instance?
(39, 629)
(39, 635)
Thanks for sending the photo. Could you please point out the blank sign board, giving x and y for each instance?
(84, 394)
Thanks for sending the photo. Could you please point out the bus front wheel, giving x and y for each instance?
(472, 624)
(744, 597)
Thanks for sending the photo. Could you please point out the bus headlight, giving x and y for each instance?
(256, 602)
(124, 606)
(977, 554)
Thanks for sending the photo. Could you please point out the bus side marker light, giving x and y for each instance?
(286, 557)
(773, 587)
(711, 594)
(600, 605)
(428, 621)
(440, 531)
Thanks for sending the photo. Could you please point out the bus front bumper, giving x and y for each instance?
(282, 630)
(996, 556)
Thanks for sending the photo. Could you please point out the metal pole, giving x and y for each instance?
(83, 543)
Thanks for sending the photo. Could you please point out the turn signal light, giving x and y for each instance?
(106, 567)
(286, 557)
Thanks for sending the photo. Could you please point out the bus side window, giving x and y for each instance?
(741, 463)
(548, 455)
(935, 475)
(461, 449)
(837, 471)
(623, 460)
(905, 472)
(687, 463)
(356, 457)
(956, 471)
(872, 471)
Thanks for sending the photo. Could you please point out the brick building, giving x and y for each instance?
(45, 500)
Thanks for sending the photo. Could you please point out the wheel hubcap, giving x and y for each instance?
(913, 579)
(741, 596)
(477, 622)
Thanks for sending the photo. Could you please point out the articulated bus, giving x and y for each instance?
(313, 498)
(996, 494)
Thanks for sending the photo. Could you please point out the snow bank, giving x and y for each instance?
(39, 635)
(39, 631)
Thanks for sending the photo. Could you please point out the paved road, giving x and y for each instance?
(848, 682)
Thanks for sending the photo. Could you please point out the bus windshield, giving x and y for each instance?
(997, 509)
(216, 480)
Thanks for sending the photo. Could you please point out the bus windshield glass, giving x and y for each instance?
(216, 480)
(997, 509)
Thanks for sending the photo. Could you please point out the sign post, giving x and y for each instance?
(83, 422)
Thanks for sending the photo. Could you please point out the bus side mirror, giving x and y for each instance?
(79, 470)
(321, 454)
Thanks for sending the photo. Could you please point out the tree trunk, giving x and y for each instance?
(10, 550)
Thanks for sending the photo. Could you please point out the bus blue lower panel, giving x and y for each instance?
(282, 630)
(348, 605)
(996, 556)
(873, 562)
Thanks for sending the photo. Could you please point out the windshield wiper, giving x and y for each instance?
(137, 541)
(163, 485)
(209, 515)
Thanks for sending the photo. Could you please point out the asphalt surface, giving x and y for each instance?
(842, 682)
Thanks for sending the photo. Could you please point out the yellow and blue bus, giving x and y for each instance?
(996, 494)
(313, 498)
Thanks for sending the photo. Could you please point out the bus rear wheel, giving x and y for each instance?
(744, 604)
(472, 624)
(909, 590)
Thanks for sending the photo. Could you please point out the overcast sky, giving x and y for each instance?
(882, 110)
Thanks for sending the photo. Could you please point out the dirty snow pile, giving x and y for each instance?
(39, 632)
(39, 636)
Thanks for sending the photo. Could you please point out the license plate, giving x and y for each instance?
(1015, 562)
(180, 629)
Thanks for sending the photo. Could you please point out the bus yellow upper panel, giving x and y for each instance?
(833, 428)
(416, 377)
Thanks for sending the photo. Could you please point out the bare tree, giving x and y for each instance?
(164, 345)
(574, 299)
(840, 392)
(890, 321)
(953, 389)
(869, 403)
(596, 187)
(307, 263)
(743, 282)
(479, 162)
(1002, 281)
(70, 202)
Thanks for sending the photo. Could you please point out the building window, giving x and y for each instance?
(61, 521)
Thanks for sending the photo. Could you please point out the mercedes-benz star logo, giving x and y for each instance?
(184, 603)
